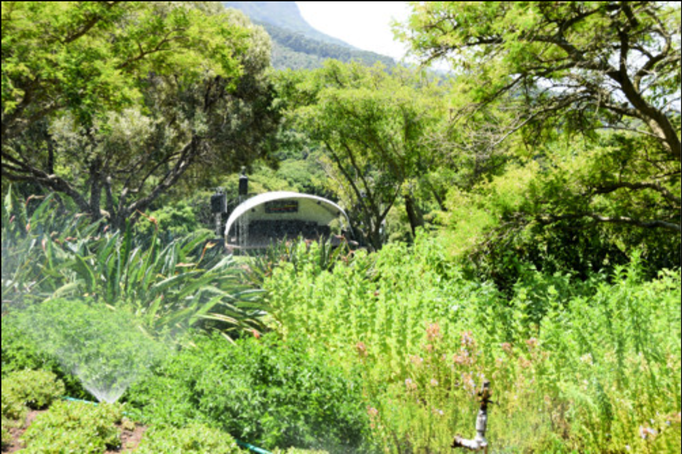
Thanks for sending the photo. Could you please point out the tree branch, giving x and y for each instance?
(550, 219)
(88, 25)
(31, 173)
(606, 189)
(188, 154)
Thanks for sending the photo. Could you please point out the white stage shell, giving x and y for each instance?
(311, 208)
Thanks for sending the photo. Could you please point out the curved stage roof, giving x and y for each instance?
(315, 208)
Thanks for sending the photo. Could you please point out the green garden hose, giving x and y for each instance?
(252, 447)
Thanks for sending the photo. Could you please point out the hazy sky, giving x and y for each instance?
(365, 25)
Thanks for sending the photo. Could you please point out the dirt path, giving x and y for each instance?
(17, 432)
(129, 440)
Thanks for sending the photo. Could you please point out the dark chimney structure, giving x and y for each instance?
(243, 183)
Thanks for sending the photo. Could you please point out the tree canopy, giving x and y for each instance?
(572, 112)
(118, 100)
(602, 64)
(375, 128)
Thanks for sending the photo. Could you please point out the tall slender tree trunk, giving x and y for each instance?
(414, 214)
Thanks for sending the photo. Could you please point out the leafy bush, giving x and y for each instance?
(34, 388)
(184, 283)
(20, 352)
(74, 427)
(104, 348)
(193, 439)
(173, 221)
(6, 436)
(13, 407)
(545, 213)
(264, 391)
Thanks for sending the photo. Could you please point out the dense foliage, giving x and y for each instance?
(584, 366)
(20, 352)
(104, 348)
(565, 130)
(268, 392)
(75, 427)
(168, 287)
(520, 223)
(193, 439)
(112, 123)
(34, 388)
(22, 390)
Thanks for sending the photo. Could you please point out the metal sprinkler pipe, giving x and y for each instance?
(479, 443)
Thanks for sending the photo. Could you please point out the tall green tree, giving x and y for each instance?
(375, 127)
(112, 103)
(620, 60)
(607, 72)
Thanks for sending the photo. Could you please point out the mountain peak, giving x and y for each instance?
(284, 15)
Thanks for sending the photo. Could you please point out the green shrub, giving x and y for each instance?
(6, 436)
(13, 407)
(193, 439)
(103, 347)
(74, 427)
(34, 388)
(20, 352)
(168, 284)
(264, 391)
(173, 220)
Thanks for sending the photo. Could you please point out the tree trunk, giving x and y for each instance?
(413, 214)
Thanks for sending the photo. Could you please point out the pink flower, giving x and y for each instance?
(468, 339)
(433, 332)
(416, 360)
(532, 343)
(644, 432)
(410, 385)
(460, 359)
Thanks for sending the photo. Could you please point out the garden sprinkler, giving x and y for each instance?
(479, 443)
